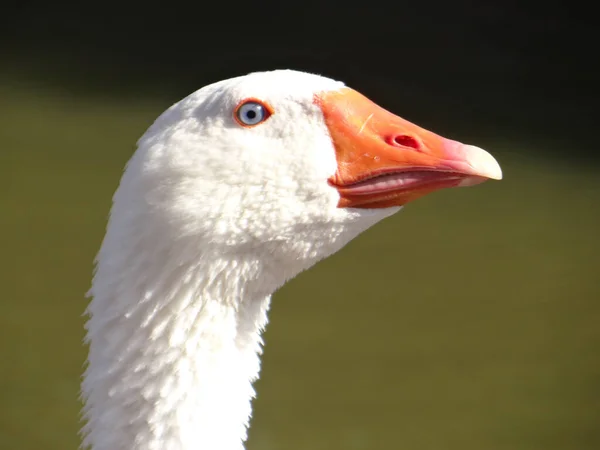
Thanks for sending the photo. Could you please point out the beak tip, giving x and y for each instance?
(484, 164)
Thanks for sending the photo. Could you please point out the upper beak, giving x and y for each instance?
(384, 160)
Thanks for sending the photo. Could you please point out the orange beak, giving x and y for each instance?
(384, 160)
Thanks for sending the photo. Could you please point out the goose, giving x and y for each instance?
(230, 192)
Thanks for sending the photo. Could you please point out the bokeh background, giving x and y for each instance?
(469, 321)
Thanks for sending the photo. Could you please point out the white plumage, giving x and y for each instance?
(210, 218)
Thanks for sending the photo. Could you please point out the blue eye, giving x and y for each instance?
(251, 113)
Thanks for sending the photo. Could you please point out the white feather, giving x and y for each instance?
(209, 219)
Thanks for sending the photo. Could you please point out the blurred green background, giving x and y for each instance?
(468, 321)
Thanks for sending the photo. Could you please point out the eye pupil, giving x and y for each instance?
(251, 114)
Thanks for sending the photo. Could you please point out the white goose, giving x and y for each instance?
(231, 192)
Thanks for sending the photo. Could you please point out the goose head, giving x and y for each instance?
(285, 166)
(232, 191)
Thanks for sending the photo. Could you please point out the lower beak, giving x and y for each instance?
(384, 160)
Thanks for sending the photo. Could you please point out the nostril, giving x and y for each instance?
(405, 141)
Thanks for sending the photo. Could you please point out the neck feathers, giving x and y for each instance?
(180, 296)
(173, 354)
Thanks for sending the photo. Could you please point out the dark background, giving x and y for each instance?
(514, 67)
(469, 321)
